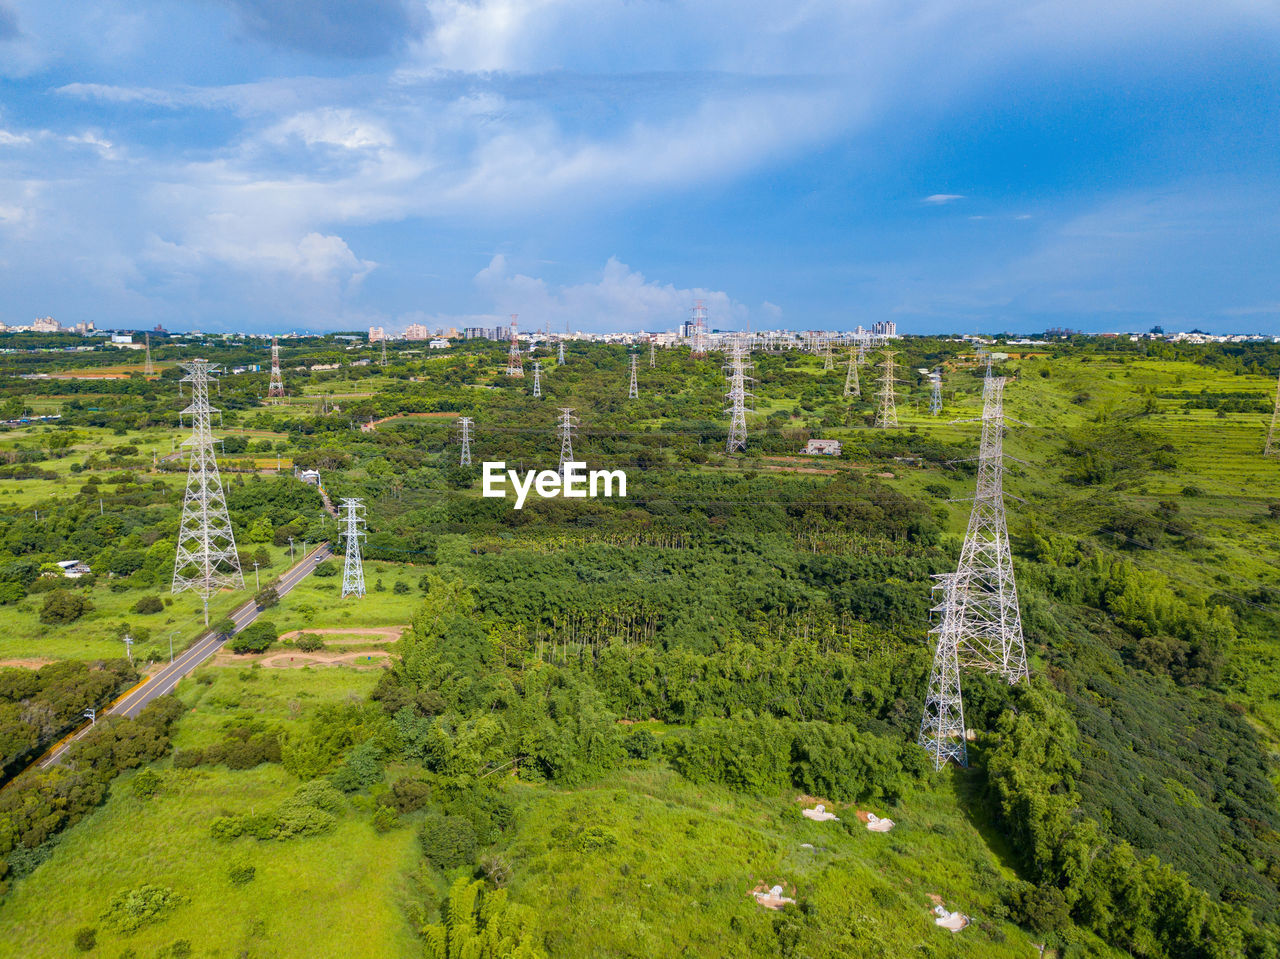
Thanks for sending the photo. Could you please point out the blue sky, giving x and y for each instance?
(954, 165)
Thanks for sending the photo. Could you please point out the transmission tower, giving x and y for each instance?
(148, 368)
(565, 429)
(560, 361)
(862, 350)
(699, 314)
(633, 391)
(275, 392)
(653, 353)
(887, 414)
(852, 386)
(465, 423)
(537, 377)
(989, 631)
(737, 397)
(384, 350)
(935, 396)
(942, 728)
(352, 568)
(1273, 447)
(828, 363)
(515, 366)
(206, 558)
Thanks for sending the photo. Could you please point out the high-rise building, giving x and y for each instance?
(416, 331)
(376, 334)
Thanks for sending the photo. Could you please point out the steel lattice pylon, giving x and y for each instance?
(275, 391)
(653, 353)
(206, 559)
(465, 423)
(935, 395)
(699, 345)
(633, 392)
(887, 413)
(852, 385)
(1273, 447)
(942, 727)
(990, 628)
(148, 367)
(560, 361)
(352, 567)
(515, 366)
(537, 377)
(565, 429)
(737, 397)
(828, 361)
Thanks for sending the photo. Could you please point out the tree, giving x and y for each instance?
(261, 531)
(63, 606)
(149, 604)
(256, 638)
(267, 597)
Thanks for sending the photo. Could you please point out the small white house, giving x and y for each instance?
(73, 568)
(822, 448)
(439, 344)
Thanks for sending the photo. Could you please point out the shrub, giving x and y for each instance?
(266, 598)
(385, 819)
(400, 588)
(63, 606)
(148, 604)
(241, 873)
(86, 938)
(447, 841)
(256, 638)
(187, 758)
(146, 784)
(325, 569)
(131, 909)
(408, 794)
(309, 643)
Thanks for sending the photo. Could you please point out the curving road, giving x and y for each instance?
(133, 702)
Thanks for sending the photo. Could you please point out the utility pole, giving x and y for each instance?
(128, 647)
(206, 559)
(737, 397)
(384, 349)
(935, 396)
(275, 391)
(1273, 442)
(565, 428)
(852, 386)
(148, 368)
(515, 366)
(633, 392)
(352, 568)
(257, 583)
(465, 423)
(560, 362)
(887, 414)
(653, 353)
(91, 714)
(291, 549)
(942, 728)
(537, 377)
(989, 631)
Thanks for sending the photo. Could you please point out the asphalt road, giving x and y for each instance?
(163, 682)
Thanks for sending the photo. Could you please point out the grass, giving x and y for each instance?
(333, 895)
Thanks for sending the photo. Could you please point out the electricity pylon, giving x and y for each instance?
(352, 567)
(384, 350)
(699, 345)
(465, 423)
(653, 354)
(1273, 447)
(862, 350)
(887, 414)
(737, 397)
(989, 631)
(206, 559)
(828, 363)
(565, 429)
(537, 377)
(148, 368)
(633, 392)
(942, 727)
(275, 391)
(935, 396)
(515, 367)
(852, 386)
(560, 361)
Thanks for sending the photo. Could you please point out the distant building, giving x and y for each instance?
(416, 331)
(73, 568)
(376, 334)
(46, 324)
(822, 448)
(884, 328)
(440, 344)
(310, 476)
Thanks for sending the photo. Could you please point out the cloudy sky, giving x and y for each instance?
(950, 164)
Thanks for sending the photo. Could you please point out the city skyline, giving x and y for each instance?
(379, 163)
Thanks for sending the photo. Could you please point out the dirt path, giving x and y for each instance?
(32, 663)
(387, 633)
(371, 659)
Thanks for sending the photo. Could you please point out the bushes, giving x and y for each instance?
(148, 604)
(267, 597)
(308, 812)
(134, 908)
(447, 841)
(63, 606)
(325, 569)
(255, 638)
(309, 643)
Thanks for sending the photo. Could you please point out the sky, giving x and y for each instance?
(951, 165)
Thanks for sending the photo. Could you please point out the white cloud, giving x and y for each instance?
(8, 139)
(941, 199)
